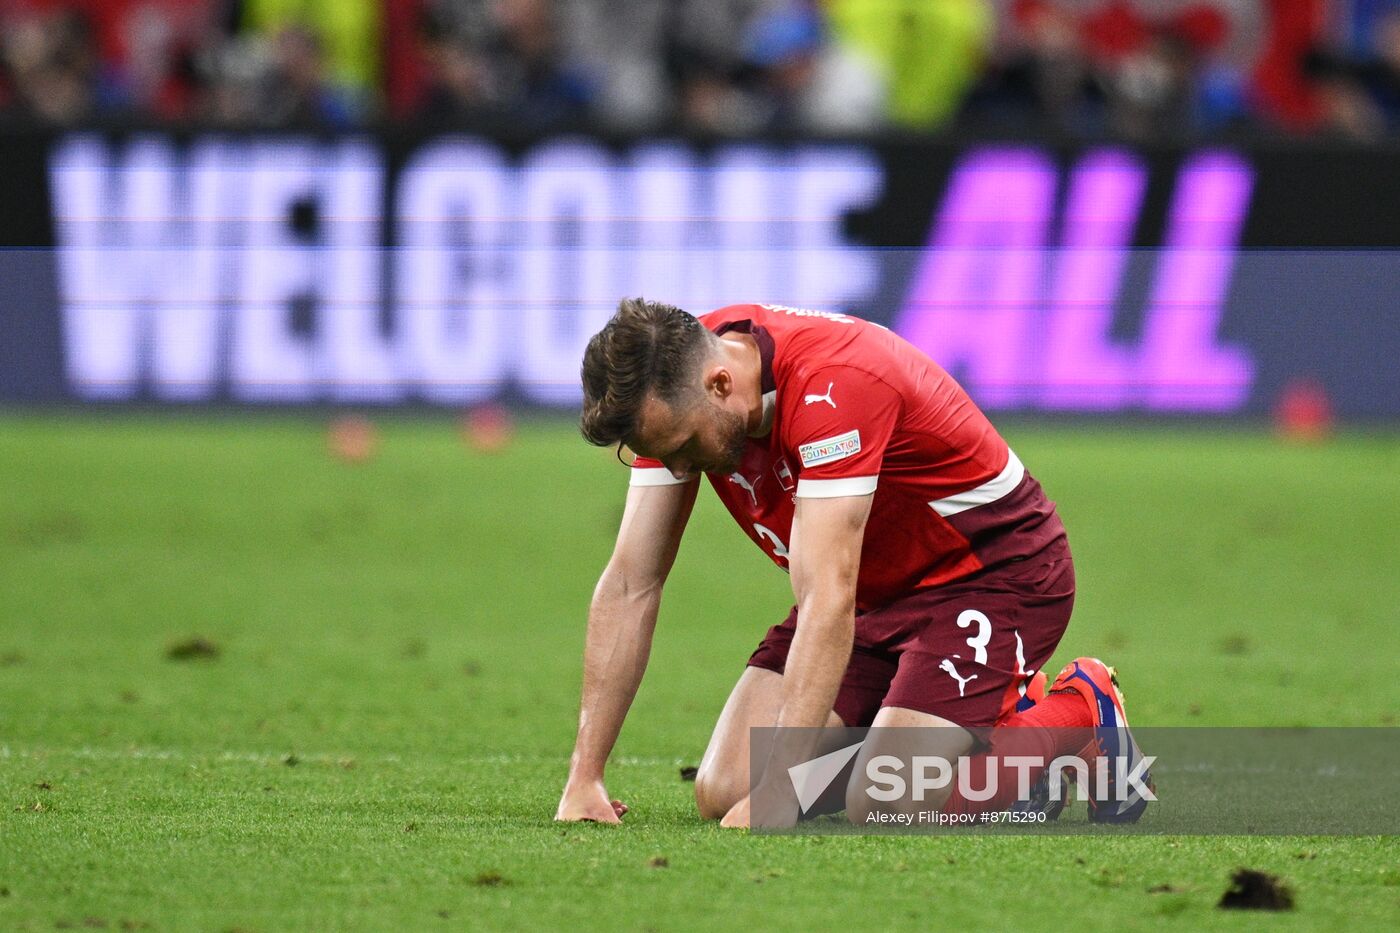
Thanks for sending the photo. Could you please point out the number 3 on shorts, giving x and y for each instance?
(978, 642)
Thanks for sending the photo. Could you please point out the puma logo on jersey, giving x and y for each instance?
(947, 665)
(811, 399)
(741, 481)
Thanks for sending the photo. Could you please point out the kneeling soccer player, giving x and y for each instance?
(932, 575)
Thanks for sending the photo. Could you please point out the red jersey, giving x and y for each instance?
(859, 410)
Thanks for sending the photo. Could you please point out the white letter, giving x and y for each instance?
(661, 191)
(1133, 779)
(825, 270)
(1023, 765)
(565, 275)
(360, 365)
(749, 187)
(889, 779)
(129, 281)
(922, 782)
(965, 780)
(270, 363)
(449, 270)
(1081, 776)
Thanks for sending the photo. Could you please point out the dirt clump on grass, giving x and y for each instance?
(1256, 890)
(192, 649)
(490, 879)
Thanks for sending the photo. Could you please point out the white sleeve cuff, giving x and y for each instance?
(656, 476)
(836, 488)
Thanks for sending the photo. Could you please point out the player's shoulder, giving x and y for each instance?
(862, 372)
(730, 314)
(856, 357)
(809, 341)
(769, 315)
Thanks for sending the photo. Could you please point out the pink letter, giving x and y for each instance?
(1181, 364)
(976, 291)
(1083, 370)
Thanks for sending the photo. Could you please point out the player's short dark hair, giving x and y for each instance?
(647, 348)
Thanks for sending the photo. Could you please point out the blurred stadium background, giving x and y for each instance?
(297, 532)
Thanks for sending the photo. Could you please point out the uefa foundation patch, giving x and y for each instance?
(832, 448)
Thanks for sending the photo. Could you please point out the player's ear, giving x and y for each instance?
(719, 382)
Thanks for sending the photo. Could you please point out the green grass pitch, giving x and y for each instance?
(381, 741)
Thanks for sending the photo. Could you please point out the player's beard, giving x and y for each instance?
(734, 437)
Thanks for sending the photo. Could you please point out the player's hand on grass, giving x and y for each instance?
(589, 802)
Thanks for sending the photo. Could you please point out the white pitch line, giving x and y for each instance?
(137, 753)
(171, 754)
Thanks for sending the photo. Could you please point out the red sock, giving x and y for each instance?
(1065, 709)
(1057, 725)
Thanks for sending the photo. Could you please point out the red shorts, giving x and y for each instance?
(961, 651)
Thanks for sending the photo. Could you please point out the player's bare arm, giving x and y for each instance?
(825, 563)
(621, 619)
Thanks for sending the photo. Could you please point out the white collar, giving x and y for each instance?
(770, 408)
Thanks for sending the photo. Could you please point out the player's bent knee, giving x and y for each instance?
(886, 784)
(716, 792)
(859, 807)
(864, 810)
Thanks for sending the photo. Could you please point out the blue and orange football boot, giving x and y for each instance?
(1032, 693)
(1040, 800)
(1097, 683)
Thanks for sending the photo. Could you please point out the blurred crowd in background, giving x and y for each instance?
(1141, 69)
